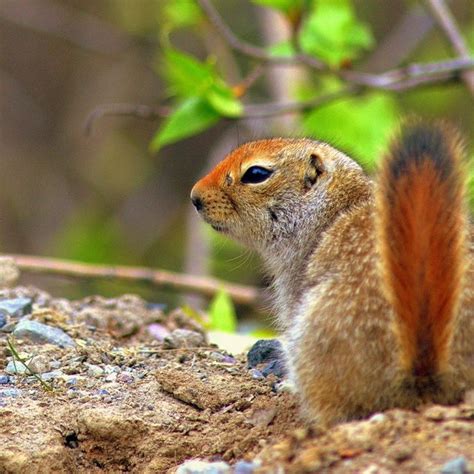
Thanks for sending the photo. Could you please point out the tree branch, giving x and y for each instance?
(136, 110)
(206, 286)
(251, 50)
(447, 23)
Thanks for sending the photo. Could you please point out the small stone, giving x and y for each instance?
(9, 272)
(42, 333)
(275, 367)
(16, 367)
(158, 331)
(256, 374)
(455, 466)
(221, 358)
(196, 466)
(265, 350)
(4, 379)
(10, 392)
(184, 338)
(111, 377)
(54, 374)
(244, 467)
(3, 318)
(17, 307)
(125, 377)
(39, 364)
(95, 371)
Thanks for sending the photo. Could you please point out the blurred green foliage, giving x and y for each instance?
(108, 199)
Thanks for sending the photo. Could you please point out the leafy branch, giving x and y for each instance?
(326, 39)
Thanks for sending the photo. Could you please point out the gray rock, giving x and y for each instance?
(16, 367)
(42, 333)
(196, 466)
(244, 467)
(184, 338)
(264, 350)
(455, 466)
(3, 318)
(10, 392)
(95, 371)
(4, 379)
(256, 374)
(16, 307)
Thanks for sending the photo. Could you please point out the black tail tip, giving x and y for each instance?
(421, 141)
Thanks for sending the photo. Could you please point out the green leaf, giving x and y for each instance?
(222, 313)
(333, 33)
(190, 117)
(186, 76)
(284, 6)
(359, 125)
(223, 100)
(180, 13)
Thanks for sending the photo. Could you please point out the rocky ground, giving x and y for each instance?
(118, 385)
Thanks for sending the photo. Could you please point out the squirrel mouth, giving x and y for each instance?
(218, 227)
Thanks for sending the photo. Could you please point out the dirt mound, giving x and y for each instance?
(142, 391)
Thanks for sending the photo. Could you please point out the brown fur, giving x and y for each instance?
(375, 301)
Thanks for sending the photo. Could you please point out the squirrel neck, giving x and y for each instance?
(286, 258)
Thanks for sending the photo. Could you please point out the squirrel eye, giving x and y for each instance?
(256, 174)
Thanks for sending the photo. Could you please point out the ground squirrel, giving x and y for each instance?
(373, 280)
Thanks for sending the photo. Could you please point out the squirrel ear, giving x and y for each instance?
(314, 170)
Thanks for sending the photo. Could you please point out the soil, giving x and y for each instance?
(125, 399)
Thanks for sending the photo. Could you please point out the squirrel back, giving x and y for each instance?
(421, 226)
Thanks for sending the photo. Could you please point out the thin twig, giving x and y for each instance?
(251, 50)
(163, 279)
(447, 23)
(17, 358)
(271, 109)
(135, 110)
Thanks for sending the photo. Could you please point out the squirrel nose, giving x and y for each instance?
(196, 200)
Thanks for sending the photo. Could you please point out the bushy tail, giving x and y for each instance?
(422, 222)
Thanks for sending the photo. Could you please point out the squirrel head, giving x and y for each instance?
(268, 192)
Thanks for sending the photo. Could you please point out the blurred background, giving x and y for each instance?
(104, 196)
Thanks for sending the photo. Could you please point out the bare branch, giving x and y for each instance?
(251, 50)
(162, 279)
(447, 23)
(135, 110)
(270, 109)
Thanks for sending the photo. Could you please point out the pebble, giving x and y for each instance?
(158, 331)
(54, 374)
(245, 467)
(10, 392)
(3, 318)
(125, 377)
(275, 367)
(184, 338)
(9, 272)
(16, 307)
(256, 374)
(111, 377)
(42, 333)
(16, 367)
(95, 370)
(4, 379)
(222, 358)
(455, 466)
(264, 350)
(195, 466)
